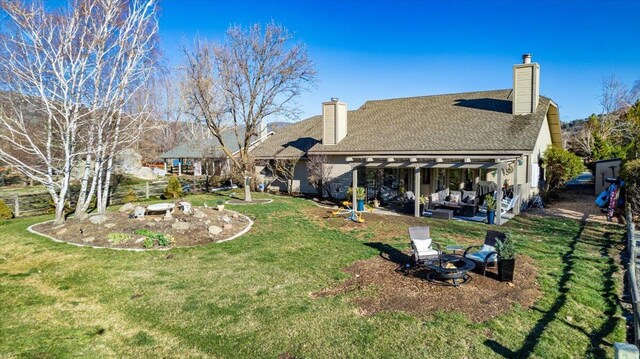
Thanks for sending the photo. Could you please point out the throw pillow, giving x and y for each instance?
(454, 198)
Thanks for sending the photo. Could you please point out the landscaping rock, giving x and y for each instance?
(181, 226)
(168, 216)
(207, 222)
(235, 215)
(58, 226)
(127, 207)
(98, 219)
(150, 224)
(139, 240)
(88, 239)
(215, 230)
(199, 214)
(138, 212)
(157, 219)
(185, 207)
(226, 219)
(227, 226)
(61, 231)
(109, 225)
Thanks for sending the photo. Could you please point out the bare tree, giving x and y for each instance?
(234, 85)
(283, 170)
(319, 174)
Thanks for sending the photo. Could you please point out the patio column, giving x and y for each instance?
(165, 166)
(516, 191)
(416, 190)
(180, 167)
(499, 196)
(354, 174)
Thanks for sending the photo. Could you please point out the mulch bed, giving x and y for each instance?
(408, 290)
(86, 233)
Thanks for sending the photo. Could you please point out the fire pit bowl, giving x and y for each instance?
(449, 267)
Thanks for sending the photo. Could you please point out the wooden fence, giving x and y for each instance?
(33, 204)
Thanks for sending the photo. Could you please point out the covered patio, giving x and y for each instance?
(414, 168)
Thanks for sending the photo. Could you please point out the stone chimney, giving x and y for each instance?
(526, 86)
(334, 121)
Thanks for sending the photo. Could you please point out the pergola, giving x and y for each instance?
(489, 162)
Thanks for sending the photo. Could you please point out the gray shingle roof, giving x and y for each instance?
(209, 148)
(472, 121)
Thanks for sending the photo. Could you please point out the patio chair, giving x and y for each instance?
(487, 255)
(422, 248)
(508, 204)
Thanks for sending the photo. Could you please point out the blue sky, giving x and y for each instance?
(386, 49)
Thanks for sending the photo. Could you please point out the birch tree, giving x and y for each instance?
(234, 85)
(70, 75)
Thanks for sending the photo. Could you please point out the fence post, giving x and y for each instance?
(16, 206)
(146, 189)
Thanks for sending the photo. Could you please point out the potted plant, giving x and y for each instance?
(490, 202)
(506, 258)
(423, 202)
(220, 205)
(361, 195)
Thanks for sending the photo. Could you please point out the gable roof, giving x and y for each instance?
(209, 148)
(461, 122)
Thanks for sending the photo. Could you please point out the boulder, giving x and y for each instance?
(98, 219)
(235, 215)
(144, 173)
(215, 230)
(199, 214)
(207, 222)
(226, 219)
(181, 226)
(138, 212)
(127, 207)
(127, 161)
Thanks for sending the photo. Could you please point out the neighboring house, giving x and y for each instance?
(429, 143)
(206, 157)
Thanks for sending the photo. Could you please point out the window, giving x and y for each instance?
(425, 174)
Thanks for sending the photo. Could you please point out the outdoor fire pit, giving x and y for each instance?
(449, 267)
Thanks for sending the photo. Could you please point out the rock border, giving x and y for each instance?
(242, 232)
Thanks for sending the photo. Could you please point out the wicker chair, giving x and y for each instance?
(487, 255)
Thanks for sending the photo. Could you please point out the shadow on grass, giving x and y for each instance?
(390, 253)
(534, 335)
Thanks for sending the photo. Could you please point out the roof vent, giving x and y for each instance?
(526, 58)
(334, 99)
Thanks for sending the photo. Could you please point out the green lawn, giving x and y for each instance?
(250, 297)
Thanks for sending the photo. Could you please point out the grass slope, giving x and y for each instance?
(251, 297)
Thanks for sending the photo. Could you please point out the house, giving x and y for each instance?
(207, 157)
(430, 143)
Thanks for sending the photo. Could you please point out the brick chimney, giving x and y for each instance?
(526, 86)
(334, 121)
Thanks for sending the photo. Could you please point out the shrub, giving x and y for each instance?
(147, 242)
(506, 249)
(162, 239)
(117, 238)
(560, 166)
(631, 175)
(174, 188)
(490, 202)
(5, 211)
(130, 197)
